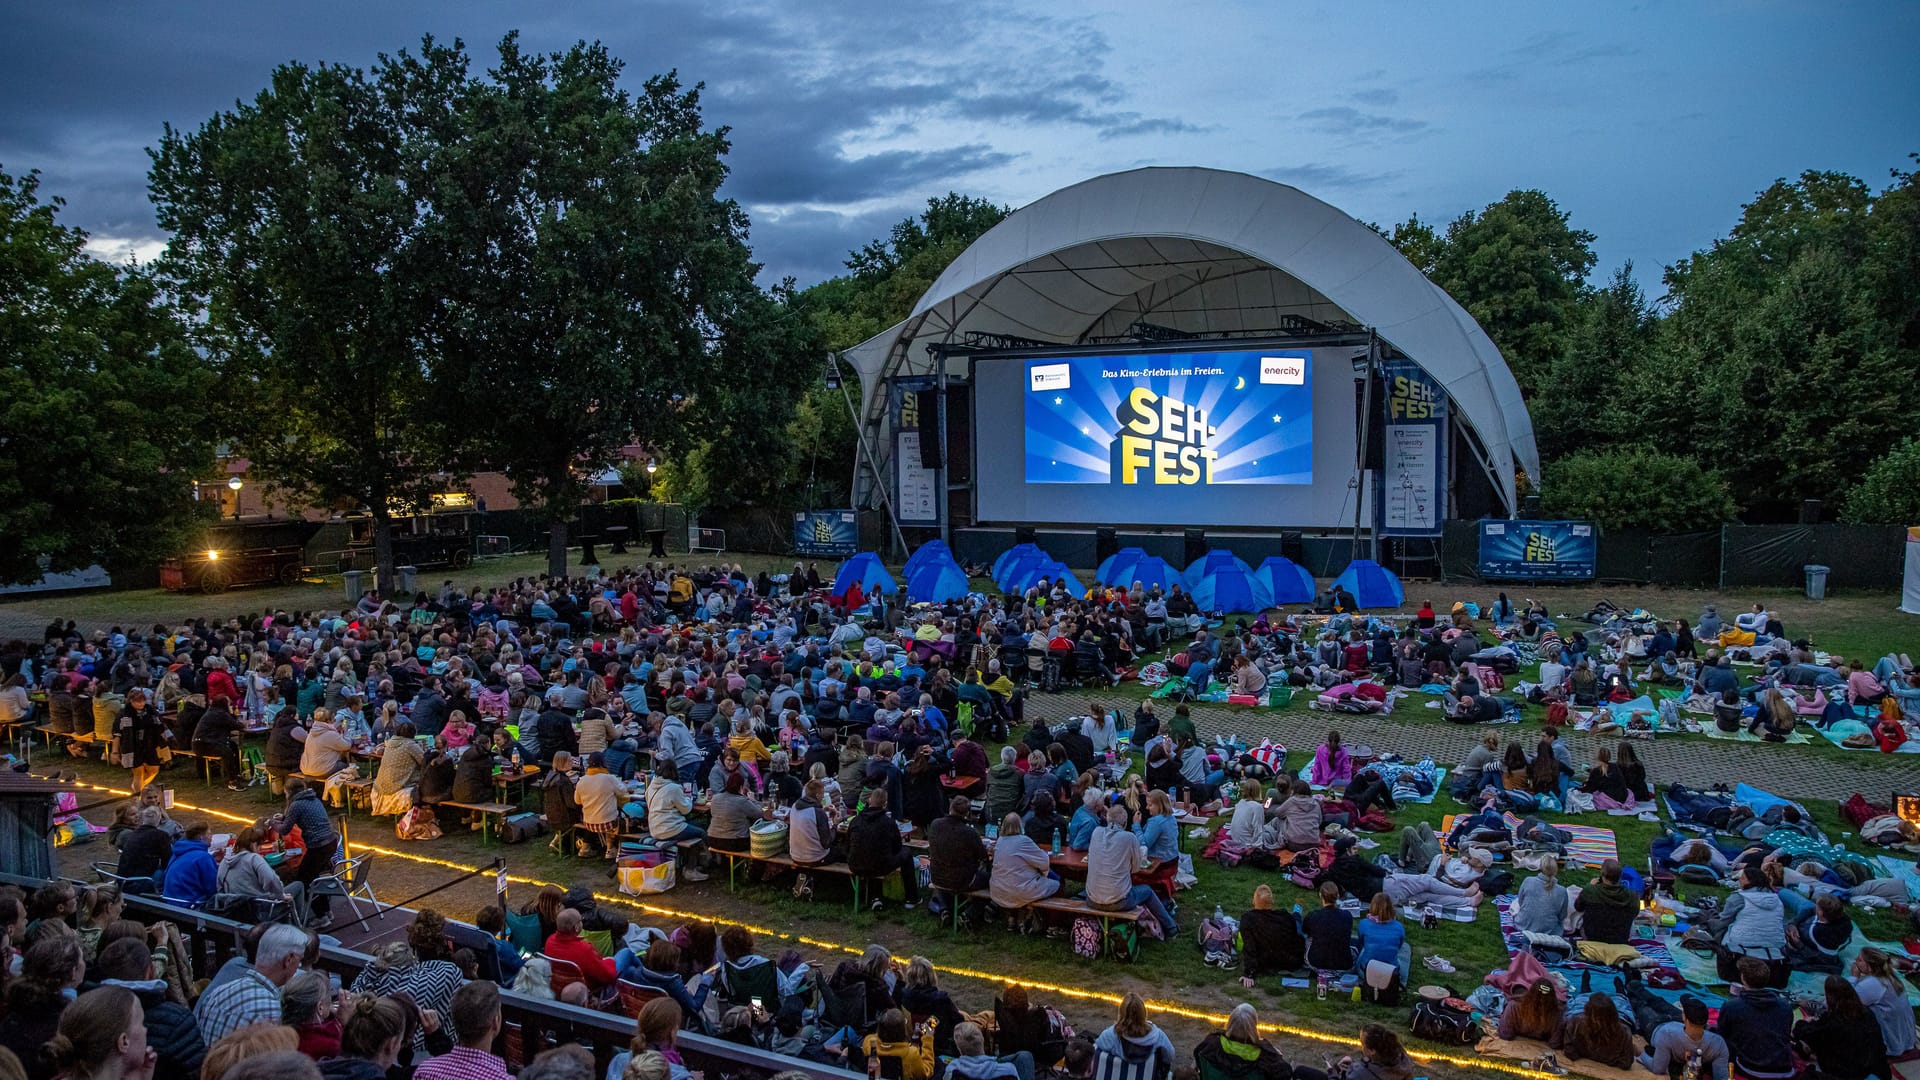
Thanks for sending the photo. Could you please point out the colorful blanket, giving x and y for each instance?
(1402, 793)
(1799, 736)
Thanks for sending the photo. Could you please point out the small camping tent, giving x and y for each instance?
(1287, 580)
(1910, 594)
(1372, 585)
(868, 570)
(1018, 567)
(936, 582)
(1232, 588)
(1116, 567)
(1153, 572)
(1214, 559)
(1028, 575)
(935, 551)
(1013, 553)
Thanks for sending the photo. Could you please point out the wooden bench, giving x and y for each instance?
(84, 738)
(487, 811)
(1061, 905)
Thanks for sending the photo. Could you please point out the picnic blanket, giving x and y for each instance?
(1652, 948)
(1841, 729)
(1589, 846)
(1903, 870)
(1799, 736)
(1699, 968)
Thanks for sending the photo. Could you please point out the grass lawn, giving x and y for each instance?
(1170, 974)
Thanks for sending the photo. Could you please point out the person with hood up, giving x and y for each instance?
(974, 1063)
(1752, 923)
(1757, 1023)
(306, 811)
(875, 850)
(283, 750)
(1006, 785)
(1239, 1053)
(1135, 1041)
(325, 750)
(172, 1031)
(1381, 1057)
(145, 849)
(191, 875)
(674, 742)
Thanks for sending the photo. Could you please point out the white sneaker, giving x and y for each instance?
(694, 874)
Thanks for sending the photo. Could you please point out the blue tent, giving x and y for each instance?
(1154, 571)
(936, 582)
(1371, 584)
(1018, 566)
(1013, 553)
(867, 569)
(1115, 569)
(1214, 559)
(1030, 574)
(1231, 588)
(1288, 580)
(932, 551)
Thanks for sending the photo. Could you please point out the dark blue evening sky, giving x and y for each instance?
(1651, 123)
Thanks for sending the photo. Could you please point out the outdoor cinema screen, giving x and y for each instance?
(1191, 438)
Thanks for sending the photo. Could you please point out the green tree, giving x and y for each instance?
(1595, 382)
(1637, 489)
(307, 240)
(1519, 267)
(103, 424)
(1889, 493)
(1801, 333)
(611, 296)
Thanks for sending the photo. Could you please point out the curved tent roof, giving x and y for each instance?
(936, 582)
(1289, 581)
(1117, 565)
(933, 551)
(867, 569)
(1203, 250)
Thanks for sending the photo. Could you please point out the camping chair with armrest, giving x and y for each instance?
(601, 940)
(350, 881)
(633, 996)
(740, 985)
(129, 885)
(523, 932)
(1135, 1063)
(565, 974)
(846, 1009)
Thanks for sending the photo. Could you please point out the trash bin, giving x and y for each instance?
(403, 579)
(1816, 581)
(356, 585)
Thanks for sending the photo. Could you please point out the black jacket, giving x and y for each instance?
(556, 734)
(31, 1020)
(873, 844)
(171, 1029)
(436, 780)
(1270, 940)
(217, 725)
(1214, 1061)
(283, 750)
(144, 851)
(473, 777)
(1607, 912)
(1355, 876)
(1845, 1050)
(955, 853)
(1079, 748)
(344, 1068)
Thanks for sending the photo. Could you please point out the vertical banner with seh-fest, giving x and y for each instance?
(1413, 473)
(917, 491)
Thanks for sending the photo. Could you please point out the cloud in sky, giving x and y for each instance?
(846, 116)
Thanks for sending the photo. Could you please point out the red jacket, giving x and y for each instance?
(599, 970)
(221, 685)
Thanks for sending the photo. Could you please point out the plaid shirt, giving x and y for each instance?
(245, 999)
(463, 1063)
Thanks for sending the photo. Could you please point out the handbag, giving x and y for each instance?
(651, 872)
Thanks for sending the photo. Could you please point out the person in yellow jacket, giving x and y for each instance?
(891, 1041)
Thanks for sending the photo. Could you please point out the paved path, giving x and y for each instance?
(1692, 760)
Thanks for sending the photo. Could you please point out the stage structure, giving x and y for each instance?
(1166, 357)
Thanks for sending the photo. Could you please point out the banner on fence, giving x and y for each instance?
(1412, 487)
(833, 533)
(1537, 550)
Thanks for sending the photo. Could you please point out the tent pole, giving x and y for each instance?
(873, 463)
(1360, 455)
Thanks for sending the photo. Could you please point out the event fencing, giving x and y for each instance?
(1732, 556)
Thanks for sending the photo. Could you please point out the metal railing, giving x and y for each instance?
(212, 941)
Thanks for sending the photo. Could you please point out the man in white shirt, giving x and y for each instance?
(1113, 855)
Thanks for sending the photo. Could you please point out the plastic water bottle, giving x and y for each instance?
(1219, 915)
(1695, 1068)
(516, 759)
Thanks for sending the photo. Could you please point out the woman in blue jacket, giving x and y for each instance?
(1381, 934)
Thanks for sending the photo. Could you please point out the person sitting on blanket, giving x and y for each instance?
(1775, 720)
(1477, 709)
(1252, 827)
(1543, 905)
(1270, 939)
(1331, 763)
(1478, 771)
(1593, 1030)
(1583, 684)
(1607, 783)
(1535, 1014)
(1299, 818)
(1757, 1023)
(1607, 908)
(1815, 945)
(1674, 1044)
(1752, 924)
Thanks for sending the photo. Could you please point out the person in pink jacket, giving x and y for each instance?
(1331, 765)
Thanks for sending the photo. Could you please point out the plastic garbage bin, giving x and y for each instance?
(1816, 581)
(403, 577)
(356, 585)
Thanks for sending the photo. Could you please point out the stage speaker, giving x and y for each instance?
(1293, 546)
(1376, 431)
(1106, 543)
(960, 433)
(1196, 546)
(1810, 512)
(1023, 535)
(1530, 507)
(929, 408)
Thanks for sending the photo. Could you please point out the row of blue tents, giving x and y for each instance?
(1218, 580)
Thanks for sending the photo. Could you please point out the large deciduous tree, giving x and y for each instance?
(103, 425)
(608, 292)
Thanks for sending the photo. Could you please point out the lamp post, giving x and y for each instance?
(652, 466)
(234, 485)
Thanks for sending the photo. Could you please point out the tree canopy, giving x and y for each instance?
(103, 419)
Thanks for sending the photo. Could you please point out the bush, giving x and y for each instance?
(1889, 492)
(1637, 489)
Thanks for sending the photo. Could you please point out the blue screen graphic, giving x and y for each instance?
(1170, 420)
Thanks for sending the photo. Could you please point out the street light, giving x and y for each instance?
(234, 485)
(652, 466)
